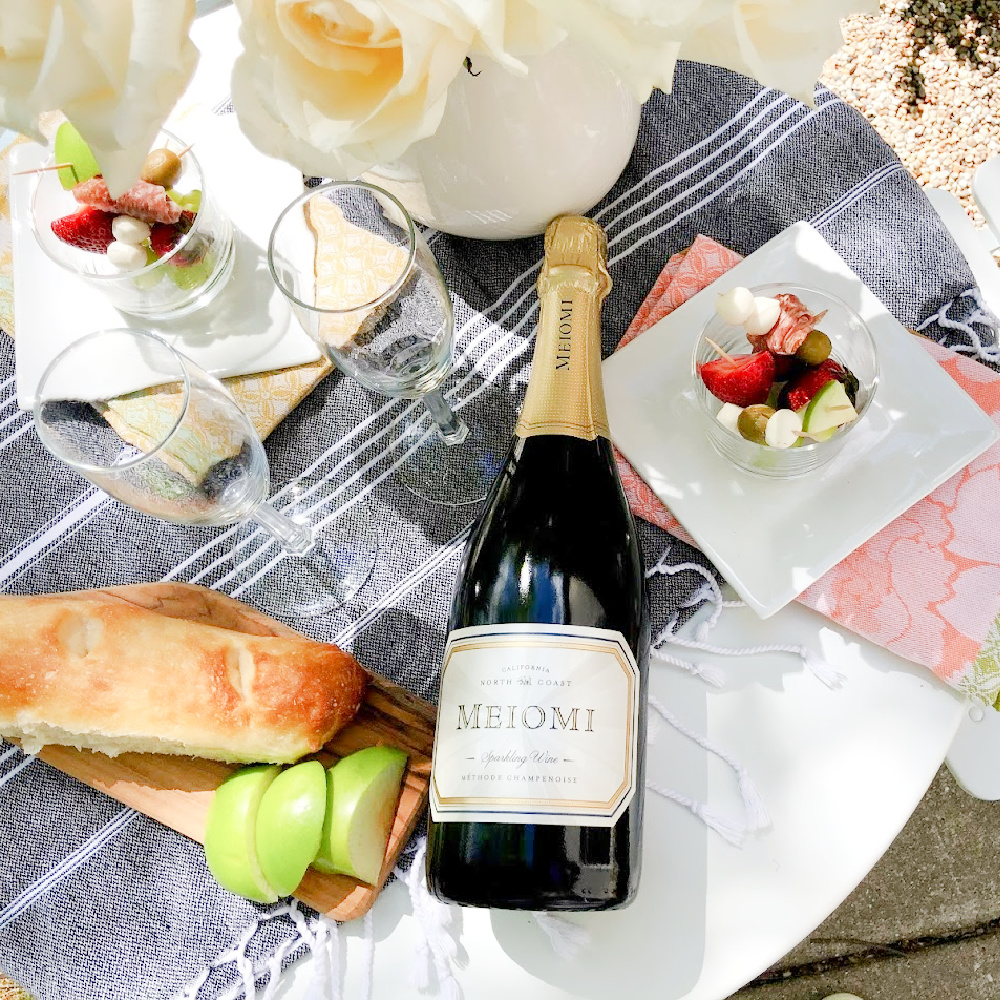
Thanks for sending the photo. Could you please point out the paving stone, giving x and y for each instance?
(967, 970)
(940, 879)
(940, 875)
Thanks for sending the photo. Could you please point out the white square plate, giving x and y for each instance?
(772, 538)
(248, 327)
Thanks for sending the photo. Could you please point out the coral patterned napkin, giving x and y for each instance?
(927, 586)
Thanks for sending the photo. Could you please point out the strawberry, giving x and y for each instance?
(742, 380)
(163, 238)
(88, 229)
(786, 366)
(801, 389)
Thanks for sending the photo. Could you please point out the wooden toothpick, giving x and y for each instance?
(38, 170)
(717, 349)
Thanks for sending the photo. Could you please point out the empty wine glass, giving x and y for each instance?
(142, 422)
(366, 287)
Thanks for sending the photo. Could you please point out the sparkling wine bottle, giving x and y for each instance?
(537, 777)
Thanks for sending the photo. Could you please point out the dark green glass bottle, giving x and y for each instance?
(538, 763)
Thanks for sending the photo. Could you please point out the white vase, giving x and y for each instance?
(512, 152)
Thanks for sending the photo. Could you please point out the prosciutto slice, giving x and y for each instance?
(792, 327)
(142, 200)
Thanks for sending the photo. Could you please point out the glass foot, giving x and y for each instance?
(325, 577)
(451, 474)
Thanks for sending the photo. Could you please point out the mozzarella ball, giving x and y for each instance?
(735, 306)
(129, 230)
(728, 416)
(126, 257)
(783, 429)
(764, 315)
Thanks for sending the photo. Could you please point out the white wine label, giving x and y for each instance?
(536, 724)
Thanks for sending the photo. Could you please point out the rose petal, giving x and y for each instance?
(116, 69)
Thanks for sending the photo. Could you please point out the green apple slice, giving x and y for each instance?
(289, 824)
(72, 148)
(362, 793)
(191, 276)
(230, 833)
(828, 410)
(191, 200)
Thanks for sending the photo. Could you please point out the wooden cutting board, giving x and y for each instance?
(177, 790)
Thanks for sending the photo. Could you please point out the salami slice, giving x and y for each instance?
(792, 327)
(145, 201)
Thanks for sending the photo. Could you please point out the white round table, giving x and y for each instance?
(839, 770)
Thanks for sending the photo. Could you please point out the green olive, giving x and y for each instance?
(161, 166)
(752, 421)
(815, 349)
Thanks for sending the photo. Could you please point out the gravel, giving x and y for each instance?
(927, 76)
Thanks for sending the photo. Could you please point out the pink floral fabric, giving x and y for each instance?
(927, 586)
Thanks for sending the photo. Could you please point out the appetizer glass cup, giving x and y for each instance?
(176, 284)
(851, 344)
(136, 418)
(365, 286)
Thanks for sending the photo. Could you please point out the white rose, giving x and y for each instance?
(114, 68)
(639, 39)
(781, 43)
(516, 28)
(338, 86)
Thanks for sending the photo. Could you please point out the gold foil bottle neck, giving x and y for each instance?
(565, 395)
(574, 241)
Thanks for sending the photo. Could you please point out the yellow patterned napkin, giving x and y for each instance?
(266, 397)
(8, 140)
(353, 268)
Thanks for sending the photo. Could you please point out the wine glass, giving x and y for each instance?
(366, 287)
(142, 422)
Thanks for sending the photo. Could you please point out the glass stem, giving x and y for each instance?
(451, 427)
(295, 539)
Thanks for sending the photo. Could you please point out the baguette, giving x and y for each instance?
(98, 674)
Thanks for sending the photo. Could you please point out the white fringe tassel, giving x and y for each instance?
(369, 958)
(438, 947)
(756, 812)
(757, 815)
(708, 672)
(725, 828)
(822, 670)
(322, 940)
(981, 314)
(324, 943)
(711, 592)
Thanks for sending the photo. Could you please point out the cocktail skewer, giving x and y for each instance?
(70, 166)
(718, 349)
(38, 170)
